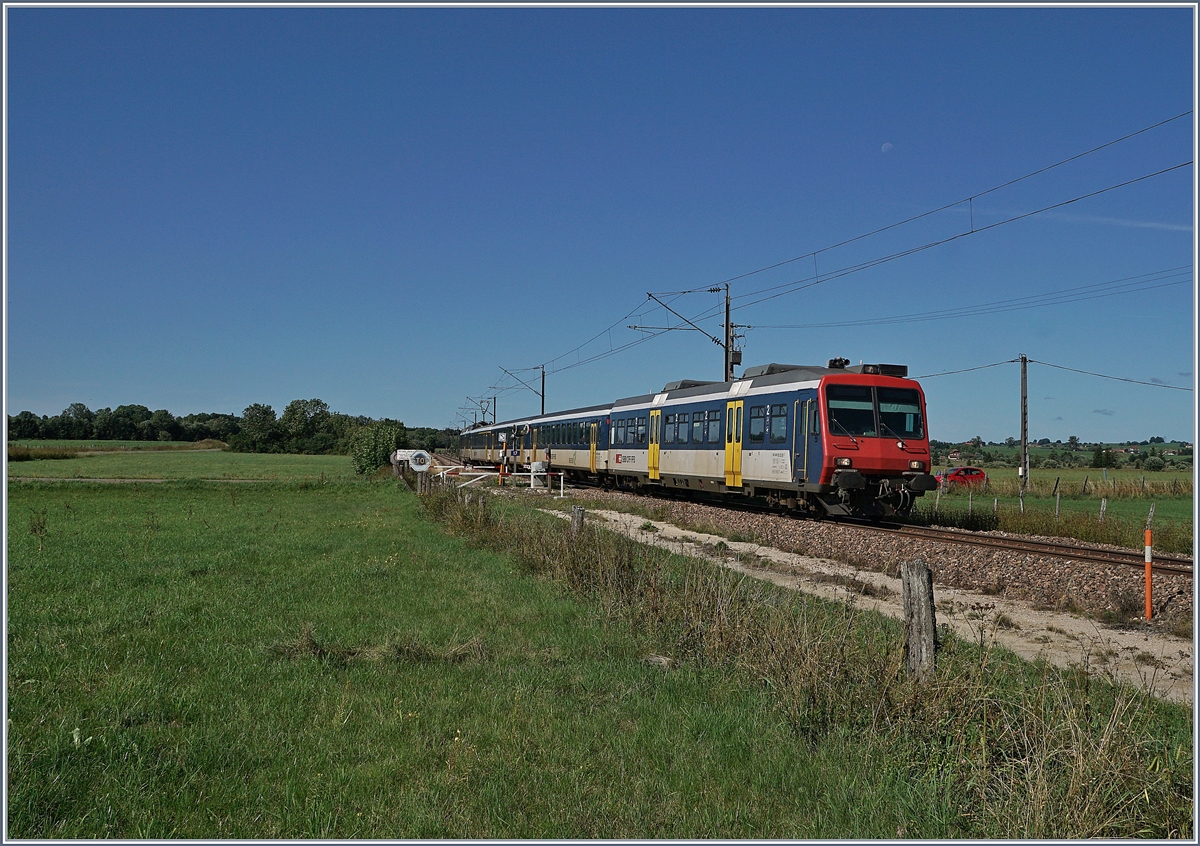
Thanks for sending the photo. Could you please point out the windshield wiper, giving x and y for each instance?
(837, 423)
(889, 428)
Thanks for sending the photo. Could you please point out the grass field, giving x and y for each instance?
(298, 659)
(35, 443)
(321, 662)
(185, 464)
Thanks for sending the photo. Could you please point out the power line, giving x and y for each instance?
(798, 285)
(1067, 295)
(801, 284)
(969, 369)
(951, 205)
(1059, 367)
(1114, 378)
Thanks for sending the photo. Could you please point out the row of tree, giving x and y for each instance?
(306, 426)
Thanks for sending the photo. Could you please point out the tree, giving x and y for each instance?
(1011, 442)
(258, 428)
(76, 422)
(1154, 463)
(24, 425)
(1073, 443)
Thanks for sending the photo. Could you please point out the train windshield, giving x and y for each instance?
(866, 412)
(900, 413)
(851, 410)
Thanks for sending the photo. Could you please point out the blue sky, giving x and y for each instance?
(212, 207)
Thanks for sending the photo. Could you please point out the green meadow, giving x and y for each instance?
(317, 656)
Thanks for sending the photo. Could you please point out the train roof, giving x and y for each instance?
(764, 375)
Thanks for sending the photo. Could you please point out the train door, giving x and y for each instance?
(808, 454)
(533, 433)
(490, 440)
(733, 444)
(652, 459)
(592, 428)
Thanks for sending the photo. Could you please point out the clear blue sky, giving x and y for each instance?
(213, 207)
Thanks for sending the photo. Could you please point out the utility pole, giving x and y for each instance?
(1024, 426)
(728, 339)
(543, 390)
(493, 410)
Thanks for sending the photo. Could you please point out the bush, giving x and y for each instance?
(372, 446)
(1154, 463)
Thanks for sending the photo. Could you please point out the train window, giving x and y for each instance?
(682, 435)
(641, 431)
(778, 424)
(851, 410)
(618, 431)
(714, 427)
(698, 427)
(669, 429)
(900, 412)
(758, 424)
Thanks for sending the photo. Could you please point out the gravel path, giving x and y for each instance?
(1037, 606)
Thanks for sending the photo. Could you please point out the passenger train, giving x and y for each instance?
(838, 440)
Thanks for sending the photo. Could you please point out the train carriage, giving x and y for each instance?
(832, 440)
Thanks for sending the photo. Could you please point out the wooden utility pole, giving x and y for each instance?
(728, 338)
(920, 621)
(1024, 428)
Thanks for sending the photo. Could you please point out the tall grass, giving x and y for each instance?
(1175, 536)
(1006, 748)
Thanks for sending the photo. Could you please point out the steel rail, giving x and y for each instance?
(1162, 563)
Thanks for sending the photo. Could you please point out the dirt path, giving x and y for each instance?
(1158, 662)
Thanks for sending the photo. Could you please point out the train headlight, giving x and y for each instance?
(916, 465)
(841, 462)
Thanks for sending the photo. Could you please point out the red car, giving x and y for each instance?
(962, 476)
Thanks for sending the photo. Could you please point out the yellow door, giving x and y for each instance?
(652, 460)
(733, 444)
(592, 447)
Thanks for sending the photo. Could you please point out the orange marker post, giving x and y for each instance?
(1149, 577)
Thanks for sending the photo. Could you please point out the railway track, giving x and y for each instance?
(1163, 564)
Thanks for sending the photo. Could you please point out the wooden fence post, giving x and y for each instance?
(576, 520)
(920, 621)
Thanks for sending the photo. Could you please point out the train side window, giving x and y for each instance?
(698, 427)
(683, 428)
(778, 424)
(619, 432)
(669, 429)
(714, 427)
(758, 424)
(641, 431)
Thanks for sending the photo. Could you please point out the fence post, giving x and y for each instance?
(1083, 490)
(576, 520)
(920, 621)
(1149, 567)
(970, 501)
(1056, 481)
(1057, 500)
(1103, 507)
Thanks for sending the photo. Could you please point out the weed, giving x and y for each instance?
(1053, 755)
(37, 526)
